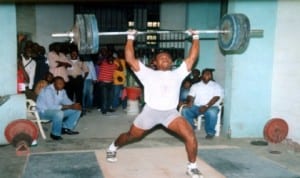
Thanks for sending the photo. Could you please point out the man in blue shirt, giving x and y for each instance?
(53, 104)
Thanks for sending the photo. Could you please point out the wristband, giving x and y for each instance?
(130, 37)
(195, 37)
(206, 105)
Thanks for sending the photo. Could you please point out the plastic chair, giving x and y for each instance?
(200, 118)
(33, 115)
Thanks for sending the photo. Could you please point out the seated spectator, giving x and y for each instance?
(53, 104)
(184, 91)
(43, 83)
(194, 77)
(204, 98)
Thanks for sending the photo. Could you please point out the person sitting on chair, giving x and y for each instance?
(53, 104)
(204, 98)
(184, 92)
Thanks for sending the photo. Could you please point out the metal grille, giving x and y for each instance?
(140, 16)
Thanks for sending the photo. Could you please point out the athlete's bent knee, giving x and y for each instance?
(132, 137)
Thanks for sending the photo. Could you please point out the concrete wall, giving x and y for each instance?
(51, 19)
(15, 107)
(39, 21)
(249, 75)
(8, 50)
(177, 20)
(206, 15)
(286, 73)
(26, 21)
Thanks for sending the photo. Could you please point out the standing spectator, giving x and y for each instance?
(29, 65)
(119, 78)
(105, 81)
(54, 104)
(88, 86)
(76, 73)
(97, 90)
(42, 67)
(58, 61)
(22, 75)
(204, 98)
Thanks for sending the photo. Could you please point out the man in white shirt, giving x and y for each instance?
(29, 65)
(204, 98)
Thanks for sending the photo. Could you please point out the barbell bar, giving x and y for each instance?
(234, 33)
(71, 34)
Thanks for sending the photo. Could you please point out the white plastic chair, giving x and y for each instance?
(33, 115)
(200, 118)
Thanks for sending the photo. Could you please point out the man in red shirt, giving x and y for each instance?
(105, 81)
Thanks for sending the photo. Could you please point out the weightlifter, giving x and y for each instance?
(161, 92)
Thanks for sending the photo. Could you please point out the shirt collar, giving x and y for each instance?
(52, 86)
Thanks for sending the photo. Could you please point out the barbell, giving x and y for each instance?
(234, 33)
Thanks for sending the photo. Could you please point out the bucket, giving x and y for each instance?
(133, 107)
(133, 93)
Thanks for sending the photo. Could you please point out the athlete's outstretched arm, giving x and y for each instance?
(129, 52)
(194, 51)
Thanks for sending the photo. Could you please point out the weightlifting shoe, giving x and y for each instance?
(55, 137)
(68, 131)
(111, 156)
(194, 173)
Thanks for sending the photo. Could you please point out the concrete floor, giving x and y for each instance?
(98, 131)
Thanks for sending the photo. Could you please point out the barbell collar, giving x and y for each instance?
(68, 34)
(257, 33)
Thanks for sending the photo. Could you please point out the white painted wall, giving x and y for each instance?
(51, 19)
(286, 74)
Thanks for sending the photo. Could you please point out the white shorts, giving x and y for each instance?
(149, 118)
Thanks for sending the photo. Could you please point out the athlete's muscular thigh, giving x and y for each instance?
(181, 127)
